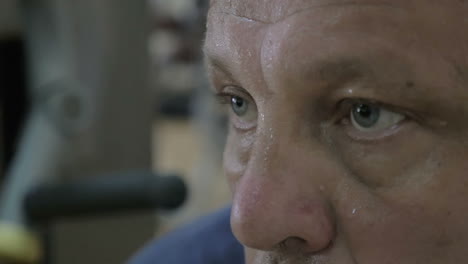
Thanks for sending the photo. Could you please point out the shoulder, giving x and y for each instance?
(208, 240)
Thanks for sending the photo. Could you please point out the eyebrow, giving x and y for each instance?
(213, 60)
(339, 69)
(329, 70)
(334, 72)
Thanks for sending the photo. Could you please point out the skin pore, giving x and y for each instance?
(348, 138)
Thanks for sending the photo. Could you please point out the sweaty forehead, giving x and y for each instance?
(433, 25)
(271, 11)
(259, 10)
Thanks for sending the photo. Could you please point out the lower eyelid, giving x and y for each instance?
(372, 137)
(240, 123)
(240, 126)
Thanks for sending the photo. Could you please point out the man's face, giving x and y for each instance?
(348, 136)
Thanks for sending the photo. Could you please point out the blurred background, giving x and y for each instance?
(109, 134)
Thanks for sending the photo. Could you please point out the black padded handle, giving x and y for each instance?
(102, 195)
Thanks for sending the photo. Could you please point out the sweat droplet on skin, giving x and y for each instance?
(266, 151)
(265, 154)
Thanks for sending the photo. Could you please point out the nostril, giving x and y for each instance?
(293, 243)
(302, 246)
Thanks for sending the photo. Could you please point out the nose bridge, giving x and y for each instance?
(280, 159)
(279, 196)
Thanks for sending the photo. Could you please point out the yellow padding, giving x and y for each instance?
(18, 244)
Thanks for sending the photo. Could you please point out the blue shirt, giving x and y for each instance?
(208, 240)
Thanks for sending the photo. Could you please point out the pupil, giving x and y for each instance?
(364, 111)
(366, 115)
(238, 101)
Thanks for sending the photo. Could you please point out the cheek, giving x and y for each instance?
(237, 155)
(391, 163)
(418, 222)
(408, 236)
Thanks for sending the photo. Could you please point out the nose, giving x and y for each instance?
(280, 200)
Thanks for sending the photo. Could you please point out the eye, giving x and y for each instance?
(244, 112)
(239, 106)
(368, 117)
(242, 108)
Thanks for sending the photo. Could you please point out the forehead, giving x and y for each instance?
(244, 35)
(259, 10)
(271, 11)
(446, 21)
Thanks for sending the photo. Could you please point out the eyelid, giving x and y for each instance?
(344, 121)
(345, 105)
(229, 91)
(368, 93)
(224, 98)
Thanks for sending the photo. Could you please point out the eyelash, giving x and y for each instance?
(342, 118)
(345, 106)
(342, 109)
(224, 98)
(340, 115)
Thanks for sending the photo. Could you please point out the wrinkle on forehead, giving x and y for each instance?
(273, 11)
(441, 24)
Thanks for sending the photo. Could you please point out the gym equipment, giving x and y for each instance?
(90, 121)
